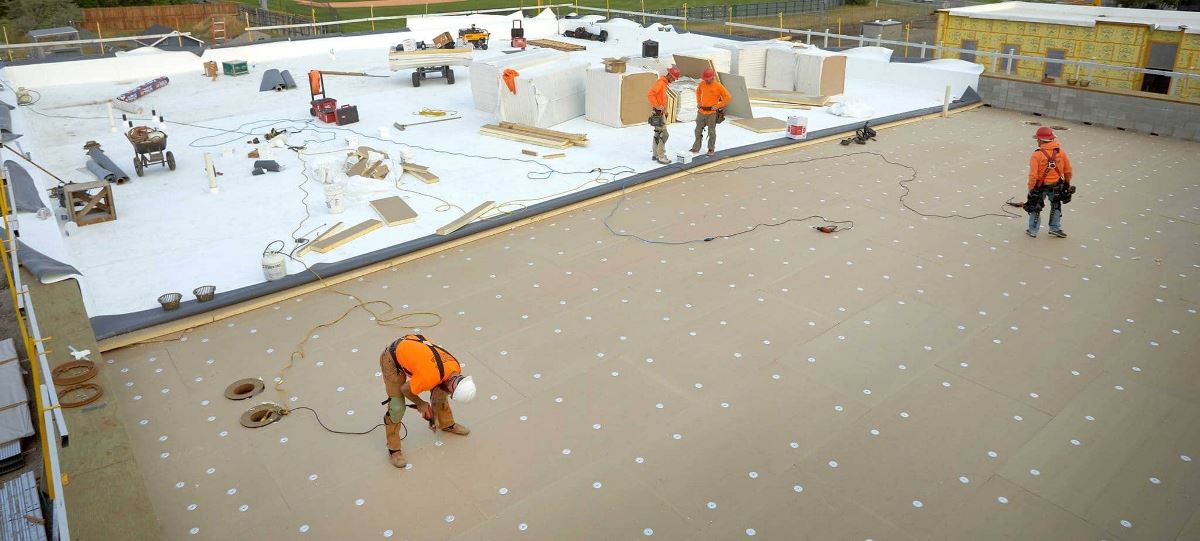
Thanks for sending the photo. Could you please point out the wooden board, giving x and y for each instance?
(492, 131)
(760, 125)
(783, 96)
(394, 211)
(421, 172)
(467, 218)
(739, 97)
(690, 66)
(557, 45)
(328, 232)
(635, 109)
(346, 236)
(574, 138)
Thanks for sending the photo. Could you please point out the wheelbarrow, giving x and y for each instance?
(150, 147)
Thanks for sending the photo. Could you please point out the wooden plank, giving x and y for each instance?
(346, 236)
(467, 218)
(576, 138)
(524, 138)
(421, 172)
(528, 152)
(554, 156)
(783, 96)
(328, 232)
(394, 211)
(558, 45)
(760, 125)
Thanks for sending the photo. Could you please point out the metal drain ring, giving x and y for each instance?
(261, 415)
(244, 388)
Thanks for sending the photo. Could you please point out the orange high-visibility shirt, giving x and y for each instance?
(1038, 165)
(710, 96)
(416, 359)
(658, 94)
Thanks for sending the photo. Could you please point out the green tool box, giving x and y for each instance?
(235, 67)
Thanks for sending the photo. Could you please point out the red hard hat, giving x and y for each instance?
(673, 72)
(709, 74)
(1044, 133)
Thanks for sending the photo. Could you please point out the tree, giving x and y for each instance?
(27, 15)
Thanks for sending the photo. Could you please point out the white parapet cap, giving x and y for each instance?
(1187, 21)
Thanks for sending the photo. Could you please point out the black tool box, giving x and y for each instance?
(347, 114)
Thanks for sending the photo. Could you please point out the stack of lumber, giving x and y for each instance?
(422, 58)
(557, 45)
(421, 172)
(681, 101)
(783, 98)
(534, 135)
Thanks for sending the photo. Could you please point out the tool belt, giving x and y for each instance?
(656, 119)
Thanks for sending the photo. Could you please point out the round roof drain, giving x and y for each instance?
(244, 388)
(73, 372)
(261, 415)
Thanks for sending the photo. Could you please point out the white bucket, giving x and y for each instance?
(274, 264)
(797, 127)
(333, 198)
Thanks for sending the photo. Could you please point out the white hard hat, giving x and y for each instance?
(464, 391)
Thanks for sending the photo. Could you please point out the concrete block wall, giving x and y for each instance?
(1134, 113)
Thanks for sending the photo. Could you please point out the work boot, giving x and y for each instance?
(1059, 233)
(695, 151)
(712, 153)
(1031, 234)
(397, 459)
(457, 428)
(663, 161)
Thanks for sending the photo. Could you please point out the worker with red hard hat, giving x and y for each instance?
(711, 99)
(412, 365)
(1049, 177)
(658, 105)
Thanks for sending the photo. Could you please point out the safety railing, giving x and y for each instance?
(52, 426)
(9, 48)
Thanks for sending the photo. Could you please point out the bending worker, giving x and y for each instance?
(658, 119)
(711, 99)
(413, 365)
(1049, 176)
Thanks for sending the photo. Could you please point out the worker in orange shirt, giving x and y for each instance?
(711, 99)
(658, 105)
(1049, 177)
(413, 365)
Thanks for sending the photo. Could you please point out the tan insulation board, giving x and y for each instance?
(346, 236)
(394, 210)
(760, 125)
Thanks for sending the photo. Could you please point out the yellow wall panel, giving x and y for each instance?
(1122, 85)
(1050, 30)
(1033, 45)
(1127, 54)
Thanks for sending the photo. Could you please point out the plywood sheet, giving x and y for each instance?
(761, 125)
(690, 66)
(635, 108)
(833, 75)
(739, 97)
(394, 211)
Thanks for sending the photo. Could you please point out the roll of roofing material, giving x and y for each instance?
(100, 172)
(103, 161)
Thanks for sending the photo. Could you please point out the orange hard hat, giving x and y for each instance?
(709, 74)
(1044, 133)
(673, 73)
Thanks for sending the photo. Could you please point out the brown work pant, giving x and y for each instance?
(393, 378)
(659, 147)
(703, 121)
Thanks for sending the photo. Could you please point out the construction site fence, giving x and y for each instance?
(763, 9)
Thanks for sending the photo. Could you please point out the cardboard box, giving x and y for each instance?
(615, 65)
(443, 39)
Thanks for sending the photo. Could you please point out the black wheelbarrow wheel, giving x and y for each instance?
(170, 161)
(449, 76)
(416, 78)
(137, 165)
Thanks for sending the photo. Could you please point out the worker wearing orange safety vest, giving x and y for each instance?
(413, 365)
(1049, 177)
(711, 99)
(658, 105)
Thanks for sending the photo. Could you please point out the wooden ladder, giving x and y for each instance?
(217, 31)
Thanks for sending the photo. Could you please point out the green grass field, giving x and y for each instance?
(331, 12)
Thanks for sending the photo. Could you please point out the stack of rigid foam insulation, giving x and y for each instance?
(684, 93)
(547, 94)
(618, 99)
(485, 74)
(809, 71)
(749, 60)
(15, 421)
